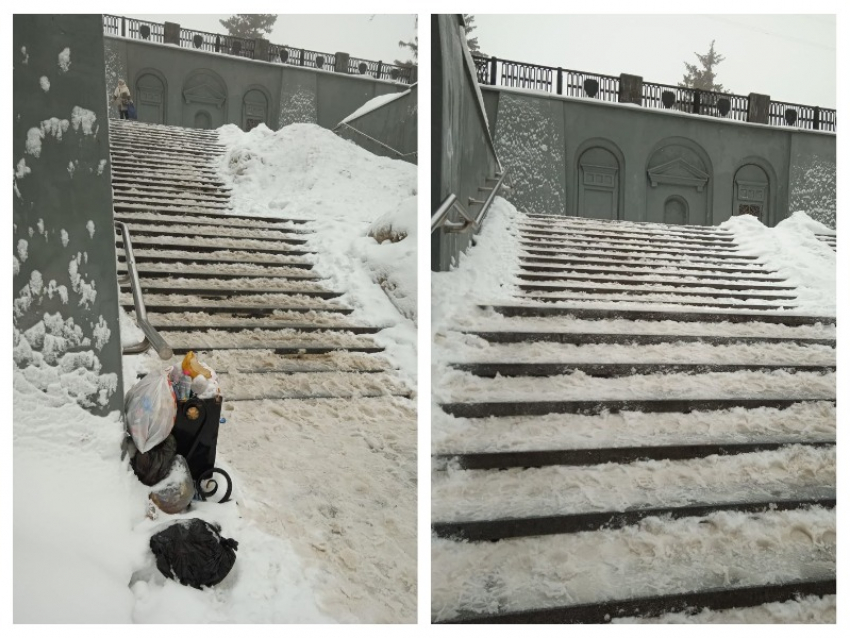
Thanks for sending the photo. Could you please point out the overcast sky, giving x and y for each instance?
(792, 58)
(363, 36)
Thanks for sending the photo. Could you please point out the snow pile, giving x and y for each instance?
(81, 534)
(792, 250)
(304, 171)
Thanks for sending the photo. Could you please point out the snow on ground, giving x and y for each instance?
(79, 518)
(304, 171)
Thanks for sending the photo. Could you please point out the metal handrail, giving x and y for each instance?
(378, 142)
(152, 337)
(440, 218)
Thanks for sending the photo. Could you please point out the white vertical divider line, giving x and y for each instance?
(423, 545)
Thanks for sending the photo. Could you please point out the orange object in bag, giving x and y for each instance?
(193, 367)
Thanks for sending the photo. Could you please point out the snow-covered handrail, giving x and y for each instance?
(440, 217)
(152, 337)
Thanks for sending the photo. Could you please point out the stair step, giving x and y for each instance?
(141, 191)
(137, 230)
(733, 283)
(217, 220)
(656, 238)
(177, 256)
(227, 217)
(209, 292)
(673, 248)
(266, 385)
(621, 455)
(611, 370)
(558, 264)
(202, 245)
(474, 531)
(670, 256)
(168, 272)
(241, 310)
(682, 406)
(651, 606)
(627, 225)
(294, 349)
(153, 150)
(657, 315)
(578, 338)
(265, 325)
(669, 302)
(123, 202)
(164, 143)
(719, 291)
(185, 184)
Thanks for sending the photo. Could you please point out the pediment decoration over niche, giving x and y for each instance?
(205, 94)
(678, 172)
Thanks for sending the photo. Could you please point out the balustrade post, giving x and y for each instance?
(758, 108)
(171, 33)
(696, 101)
(301, 58)
(341, 62)
(378, 73)
(217, 44)
(261, 49)
(123, 27)
(493, 71)
(560, 84)
(816, 119)
(631, 89)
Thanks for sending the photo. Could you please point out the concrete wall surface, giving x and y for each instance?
(201, 89)
(393, 125)
(588, 158)
(66, 334)
(462, 151)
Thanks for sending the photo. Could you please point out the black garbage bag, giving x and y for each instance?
(194, 553)
(155, 464)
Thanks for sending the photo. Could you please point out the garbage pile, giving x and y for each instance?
(190, 551)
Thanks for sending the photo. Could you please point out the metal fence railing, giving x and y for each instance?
(559, 81)
(247, 48)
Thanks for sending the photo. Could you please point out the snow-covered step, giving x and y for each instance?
(238, 386)
(184, 184)
(229, 323)
(467, 350)
(669, 300)
(683, 246)
(610, 370)
(238, 257)
(222, 234)
(259, 361)
(156, 149)
(253, 305)
(219, 220)
(800, 601)
(664, 557)
(220, 271)
(618, 224)
(163, 143)
(654, 287)
(800, 422)
(191, 213)
(543, 231)
(207, 244)
(683, 281)
(610, 455)
(585, 312)
(794, 471)
(236, 288)
(625, 254)
(580, 338)
(530, 263)
(130, 191)
(288, 338)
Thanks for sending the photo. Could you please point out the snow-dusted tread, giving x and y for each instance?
(219, 220)
(640, 254)
(572, 244)
(183, 184)
(219, 233)
(583, 338)
(204, 244)
(637, 301)
(717, 598)
(578, 233)
(558, 265)
(499, 529)
(484, 409)
(142, 192)
(196, 259)
(609, 370)
(150, 272)
(598, 456)
(627, 225)
(225, 217)
(730, 283)
(654, 287)
(585, 312)
(240, 309)
(264, 325)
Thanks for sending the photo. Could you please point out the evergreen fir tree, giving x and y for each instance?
(468, 27)
(249, 25)
(413, 45)
(703, 78)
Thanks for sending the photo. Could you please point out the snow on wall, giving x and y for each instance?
(298, 107)
(529, 139)
(813, 190)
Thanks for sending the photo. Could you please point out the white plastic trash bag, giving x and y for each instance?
(150, 408)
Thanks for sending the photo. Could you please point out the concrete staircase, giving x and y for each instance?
(645, 426)
(297, 374)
